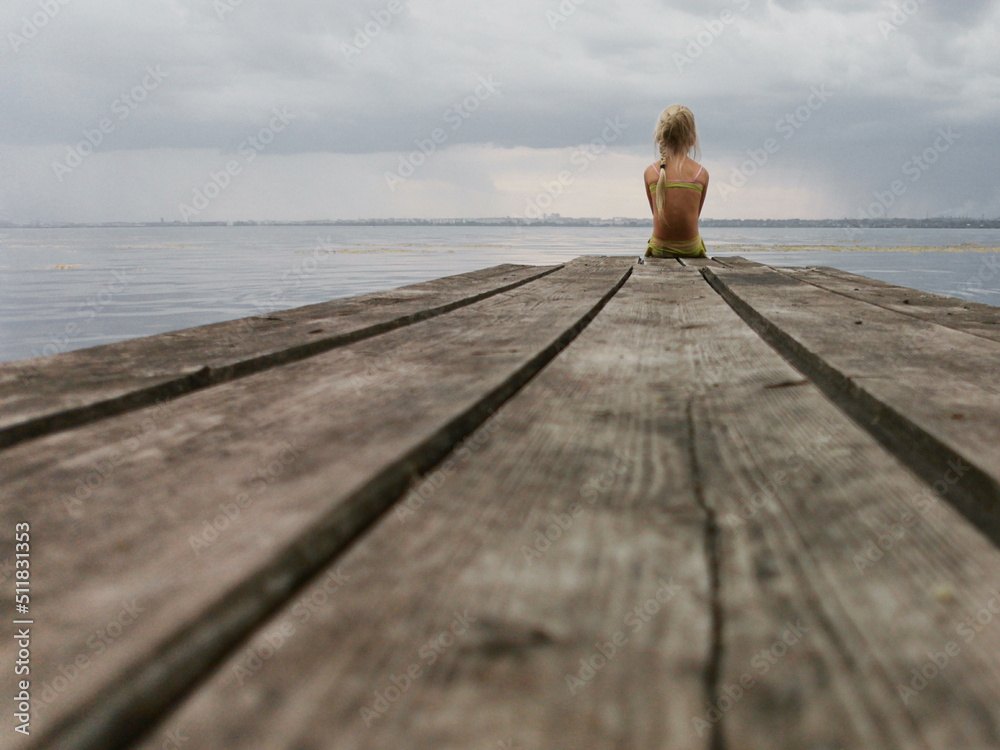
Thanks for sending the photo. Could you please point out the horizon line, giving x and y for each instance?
(546, 220)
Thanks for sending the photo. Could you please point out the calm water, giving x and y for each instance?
(64, 289)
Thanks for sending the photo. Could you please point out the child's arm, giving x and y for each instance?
(649, 194)
(704, 193)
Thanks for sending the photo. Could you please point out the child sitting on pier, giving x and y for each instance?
(675, 187)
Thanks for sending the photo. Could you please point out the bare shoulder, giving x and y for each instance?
(652, 173)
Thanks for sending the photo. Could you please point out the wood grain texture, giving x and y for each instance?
(288, 465)
(712, 418)
(603, 426)
(927, 392)
(818, 593)
(44, 395)
(823, 635)
(962, 315)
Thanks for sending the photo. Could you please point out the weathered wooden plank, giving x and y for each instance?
(601, 431)
(962, 315)
(707, 414)
(288, 466)
(925, 391)
(840, 574)
(768, 441)
(48, 394)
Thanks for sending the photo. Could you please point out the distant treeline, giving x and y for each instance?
(938, 223)
(559, 221)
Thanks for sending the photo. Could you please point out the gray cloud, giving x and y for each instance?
(560, 69)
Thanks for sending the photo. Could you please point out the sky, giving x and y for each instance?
(208, 110)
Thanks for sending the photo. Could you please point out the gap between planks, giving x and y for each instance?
(207, 376)
(116, 718)
(536, 617)
(976, 494)
(831, 679)
(975, 319)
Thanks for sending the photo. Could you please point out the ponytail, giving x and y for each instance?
(676, 137)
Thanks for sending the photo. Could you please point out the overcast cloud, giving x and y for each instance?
(304, 109)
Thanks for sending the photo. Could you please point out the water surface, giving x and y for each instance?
(64, 289)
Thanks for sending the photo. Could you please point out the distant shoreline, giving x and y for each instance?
(554, 221)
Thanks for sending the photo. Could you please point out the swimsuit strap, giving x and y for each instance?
(695, 180)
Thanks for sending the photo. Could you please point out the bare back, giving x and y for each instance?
(683, 201)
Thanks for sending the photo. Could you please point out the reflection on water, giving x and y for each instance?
(71, 288)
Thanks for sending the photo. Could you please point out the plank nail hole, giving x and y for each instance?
(786, 384)
(495, 638)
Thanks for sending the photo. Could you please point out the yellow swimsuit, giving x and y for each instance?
(693, 248)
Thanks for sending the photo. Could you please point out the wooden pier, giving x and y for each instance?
(604, 505)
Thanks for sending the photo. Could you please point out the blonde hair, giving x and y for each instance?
(675, 138)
